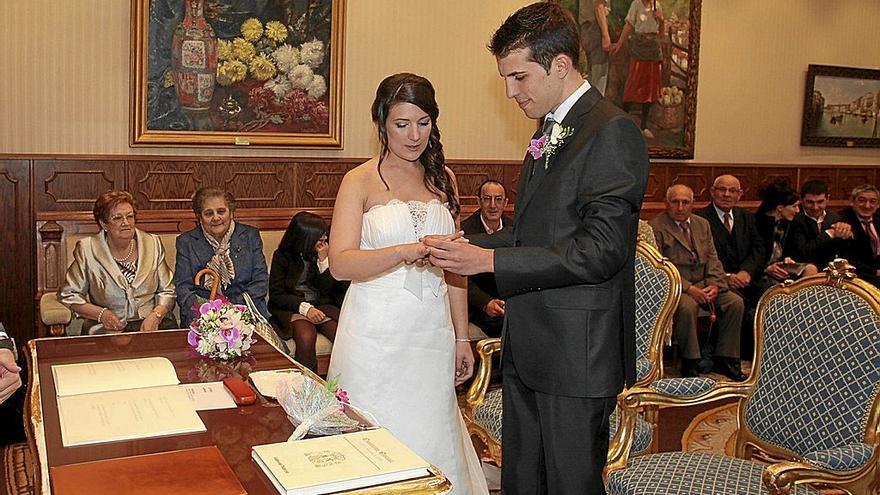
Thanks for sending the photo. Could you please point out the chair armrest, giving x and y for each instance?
(631, 401)
(485, 349)
(780, 478)
(53, 312)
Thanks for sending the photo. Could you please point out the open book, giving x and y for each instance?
(109, 401)
(341, 462)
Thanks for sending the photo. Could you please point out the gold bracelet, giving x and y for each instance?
(101, 315)
(158, 315)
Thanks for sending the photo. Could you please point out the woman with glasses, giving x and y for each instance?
(119, 280)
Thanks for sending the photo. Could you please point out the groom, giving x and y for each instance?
(566, 266)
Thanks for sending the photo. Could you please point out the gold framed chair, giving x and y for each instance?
(811, 407)
(657, 289)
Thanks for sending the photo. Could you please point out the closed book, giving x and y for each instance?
(341, 462)
(199, 471)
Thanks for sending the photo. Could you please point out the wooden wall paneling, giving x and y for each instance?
(471, 175)
(848, 178)
(698, 178)
(73, 185)
(17, 289)
(163, 185)
(317, 183)
(258, 185)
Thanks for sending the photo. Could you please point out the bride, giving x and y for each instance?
(401, 345)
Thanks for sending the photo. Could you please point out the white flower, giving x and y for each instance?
(312, 53)
(301, 76)
(556, 133)
(280, 86)
(317, 88)
(286, 57)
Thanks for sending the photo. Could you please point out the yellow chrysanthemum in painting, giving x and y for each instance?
(262, 68)
(243, 50)
(224, 50)
(230, 72)
(252, 29)
(276, 31)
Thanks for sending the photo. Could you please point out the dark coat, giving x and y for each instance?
(808, 244)
(741, 249)
(858, 249)
(194, 252)
(481, 287)
(566, 268)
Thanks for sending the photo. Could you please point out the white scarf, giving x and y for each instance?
(221, 262)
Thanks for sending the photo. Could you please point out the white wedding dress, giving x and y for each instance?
(395, 347)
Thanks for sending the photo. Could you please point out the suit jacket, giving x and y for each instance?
(481, 287)
(566, 268)
(741, 249)
(94, 277)
(283, 277)
(194, 252)
(808, 244)
(706, 268)
(858, 249)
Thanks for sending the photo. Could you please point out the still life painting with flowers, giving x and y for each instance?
(237, 72)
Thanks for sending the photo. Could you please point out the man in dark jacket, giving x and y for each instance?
(485, 306)
(816, 235)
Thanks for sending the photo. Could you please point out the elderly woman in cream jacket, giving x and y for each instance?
(119, 280)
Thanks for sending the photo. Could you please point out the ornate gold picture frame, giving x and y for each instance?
(237, 72)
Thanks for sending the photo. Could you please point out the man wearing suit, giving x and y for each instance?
(816, 235)
(485, 306)
(863, 250)
(566, 267)
(739, 245)
(687, 241)
(10, 379)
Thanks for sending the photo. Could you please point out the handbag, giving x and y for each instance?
(262, 327)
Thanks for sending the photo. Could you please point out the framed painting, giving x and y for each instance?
(237, 72)
(644, 55)
(841, 107)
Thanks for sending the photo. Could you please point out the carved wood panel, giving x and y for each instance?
(317, 183)
(17, 245)
(73, 185)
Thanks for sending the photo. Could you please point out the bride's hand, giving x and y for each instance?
(410, 253)
(464, 362)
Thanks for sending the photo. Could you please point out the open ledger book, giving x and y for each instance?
(341, 462)
(127, 399)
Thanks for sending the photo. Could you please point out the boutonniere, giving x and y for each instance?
(546, 145)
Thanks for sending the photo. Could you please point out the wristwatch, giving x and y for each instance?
(6, 342)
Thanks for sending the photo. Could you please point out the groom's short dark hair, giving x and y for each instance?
(544, 27)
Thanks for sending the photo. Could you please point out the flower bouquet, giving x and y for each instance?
(222, 331)
(315, 408)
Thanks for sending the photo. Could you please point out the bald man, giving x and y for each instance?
(687, 241)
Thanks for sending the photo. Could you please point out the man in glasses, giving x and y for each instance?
(739, 246)
(863, 251)
(485, 307)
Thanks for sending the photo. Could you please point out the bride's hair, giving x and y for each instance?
(410, 88)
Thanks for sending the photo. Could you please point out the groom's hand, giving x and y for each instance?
(459, 256)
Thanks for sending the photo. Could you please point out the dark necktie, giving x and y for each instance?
(728, 222)
(686, 228)
(872, 234)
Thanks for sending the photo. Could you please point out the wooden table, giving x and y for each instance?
(233, 431)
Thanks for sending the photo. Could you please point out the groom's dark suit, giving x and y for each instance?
(566, 272)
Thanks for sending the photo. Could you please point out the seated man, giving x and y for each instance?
(485, 308)
(863, 250)
(10, 379)
(739, 246)
(816, 235)
(687, 241)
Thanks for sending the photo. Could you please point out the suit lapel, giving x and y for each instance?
(574, 119)
(145, 252)
(105, 258)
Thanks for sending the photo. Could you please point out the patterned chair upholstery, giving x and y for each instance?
(658, 288)
(811, 407)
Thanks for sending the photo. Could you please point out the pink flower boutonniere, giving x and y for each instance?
(546, 145)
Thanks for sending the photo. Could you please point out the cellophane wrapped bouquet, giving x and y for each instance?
(315, 408)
